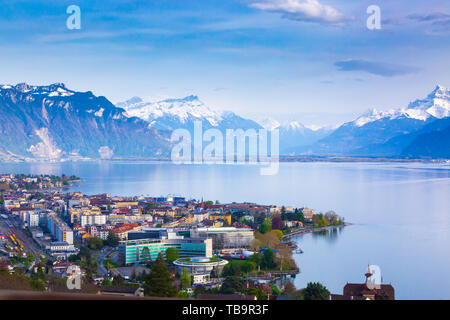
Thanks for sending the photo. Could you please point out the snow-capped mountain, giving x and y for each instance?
(269, 123)
(385, 133)
(171, 114)
(435, 105)
(55, 123)
(294, 134)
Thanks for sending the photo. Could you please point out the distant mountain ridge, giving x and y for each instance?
(171, 114)
(54, 123)
(385, 133)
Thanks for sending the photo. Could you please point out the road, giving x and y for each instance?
(101, 269)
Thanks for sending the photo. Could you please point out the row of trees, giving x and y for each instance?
(330, 218)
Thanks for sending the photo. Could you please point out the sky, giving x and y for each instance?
(314, 61)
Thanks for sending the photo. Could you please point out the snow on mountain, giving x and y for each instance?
(436, 104)
(171, 114)
(268, 123)
(186, 109)
(55, 123)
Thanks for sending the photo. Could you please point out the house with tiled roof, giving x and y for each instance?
(366, 291)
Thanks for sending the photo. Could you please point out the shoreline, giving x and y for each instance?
(282, 159)
(313, 230)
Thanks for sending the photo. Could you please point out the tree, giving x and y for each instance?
(278, 233)
(172, 254)
(95, 243)
(199, 289)
(145, 255)
(118, 280)
(285, 260)
(277, 223)
(160, 258)
(265, 226)
(232, 284)
(159, 283)
(289, 289)
(183, 294)
(316, 291)
(268, 240)
(268, 259)
(255, 245)
(112, 240)
(185, 278)
(257, 259)
(249, 266)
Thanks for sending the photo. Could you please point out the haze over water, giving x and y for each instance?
(400, 211)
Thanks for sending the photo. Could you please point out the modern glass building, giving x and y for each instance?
(147, 250)
(225, 237)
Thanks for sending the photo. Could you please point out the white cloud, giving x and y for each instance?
(303, 10)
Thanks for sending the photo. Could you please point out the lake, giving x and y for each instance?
(400, 211)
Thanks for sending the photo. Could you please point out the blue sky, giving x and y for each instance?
(309, 60)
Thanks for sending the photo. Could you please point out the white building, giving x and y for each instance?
(32, 220)
(93, 219)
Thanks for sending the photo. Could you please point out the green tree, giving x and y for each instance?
(112, 240)
(232, 285)
(160, 258)
(37, 285)
(118, 280)
(250, 266)
(95, 243)
(268, 259)
(183, 294)
(265, 226)
(316, 291)
(159, 283)
(172, 254)
(199, 289)
(145, 255)
(185, 278)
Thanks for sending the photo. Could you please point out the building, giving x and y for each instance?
(308, 213)
(366, 291)
(128, 291)
(225, 238)
(200, 266)
(154, 233)
(97, 219)
(146, 250)
(32, 220)
(59, 229)
(77, 212)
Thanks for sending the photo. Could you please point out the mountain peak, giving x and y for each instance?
(54, 89)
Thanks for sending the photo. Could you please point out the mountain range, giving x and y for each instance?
(391, 133)
(54, 123)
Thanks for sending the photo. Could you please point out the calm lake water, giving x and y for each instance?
(400, 212)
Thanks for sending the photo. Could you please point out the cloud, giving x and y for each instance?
(303, 10)
(377, 68)
(437, 16)
(440, 21)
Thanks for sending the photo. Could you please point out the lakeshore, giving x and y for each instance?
(301, 231)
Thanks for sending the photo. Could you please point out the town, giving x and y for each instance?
(58, 241)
